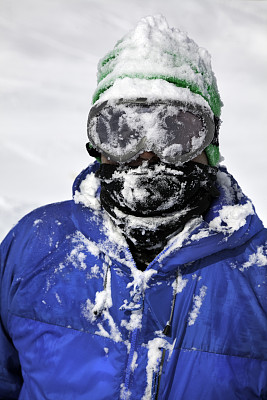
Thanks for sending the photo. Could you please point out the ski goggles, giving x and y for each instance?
(175, 132)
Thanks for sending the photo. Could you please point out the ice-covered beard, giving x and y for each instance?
(150, 203)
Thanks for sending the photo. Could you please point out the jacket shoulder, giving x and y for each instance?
(38, 232)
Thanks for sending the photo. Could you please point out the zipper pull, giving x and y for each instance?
(167, 330)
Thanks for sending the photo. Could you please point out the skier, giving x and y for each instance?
(151, 282)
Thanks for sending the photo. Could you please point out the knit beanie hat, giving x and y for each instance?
(156, 62)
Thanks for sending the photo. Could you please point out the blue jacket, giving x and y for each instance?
(80, 321)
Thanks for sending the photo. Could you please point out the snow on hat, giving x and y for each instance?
(160, 63)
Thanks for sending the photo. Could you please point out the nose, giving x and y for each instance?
(148, 155)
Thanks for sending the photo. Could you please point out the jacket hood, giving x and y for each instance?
(230, 222)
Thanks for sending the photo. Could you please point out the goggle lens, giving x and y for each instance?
(175, 134)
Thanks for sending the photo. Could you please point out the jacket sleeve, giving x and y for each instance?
(10, 371)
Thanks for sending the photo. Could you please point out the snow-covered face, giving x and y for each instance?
(153, 158)
(149, 199)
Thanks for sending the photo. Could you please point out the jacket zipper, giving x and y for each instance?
(129, 364)
(160, 373)
(167, 332)
(134, 339)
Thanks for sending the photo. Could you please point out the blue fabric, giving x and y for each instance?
(71, 296)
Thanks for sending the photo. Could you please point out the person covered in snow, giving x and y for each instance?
(151, 282)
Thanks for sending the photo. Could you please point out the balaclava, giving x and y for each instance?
(150, 203)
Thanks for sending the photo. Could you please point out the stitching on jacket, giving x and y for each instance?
(63, 326)
(107, 338)
(220, 354)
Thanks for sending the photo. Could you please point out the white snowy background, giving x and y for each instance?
(49, 50)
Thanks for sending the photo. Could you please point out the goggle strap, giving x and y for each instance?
(93, 152)
(217, 122)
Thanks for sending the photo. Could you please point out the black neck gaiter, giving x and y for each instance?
(151, 203)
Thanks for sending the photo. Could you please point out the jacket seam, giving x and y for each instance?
(62, 326)
(177, 348)
(221, 354)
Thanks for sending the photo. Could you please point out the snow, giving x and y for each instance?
(259, 258)
(95, 270)
(134, 364)
(114, 330)
(231, 218)
(197, 303)
(37, 222)
(155, 348)
(45, 102)
(49, 54)
(124, 394)
(179, 284)
(224, 181)
(87, 192)
(152, 49)
(140, 279)
(130, 88)
(106, 350)
(77, 258)
(87, 311)
(82, 242)
(200, 235)
(135, 321)
(58, 298)
(100, 307)
(88, 195)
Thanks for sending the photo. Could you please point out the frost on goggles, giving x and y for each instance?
(175, 132)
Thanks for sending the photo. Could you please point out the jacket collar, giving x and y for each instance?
(230, 222)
